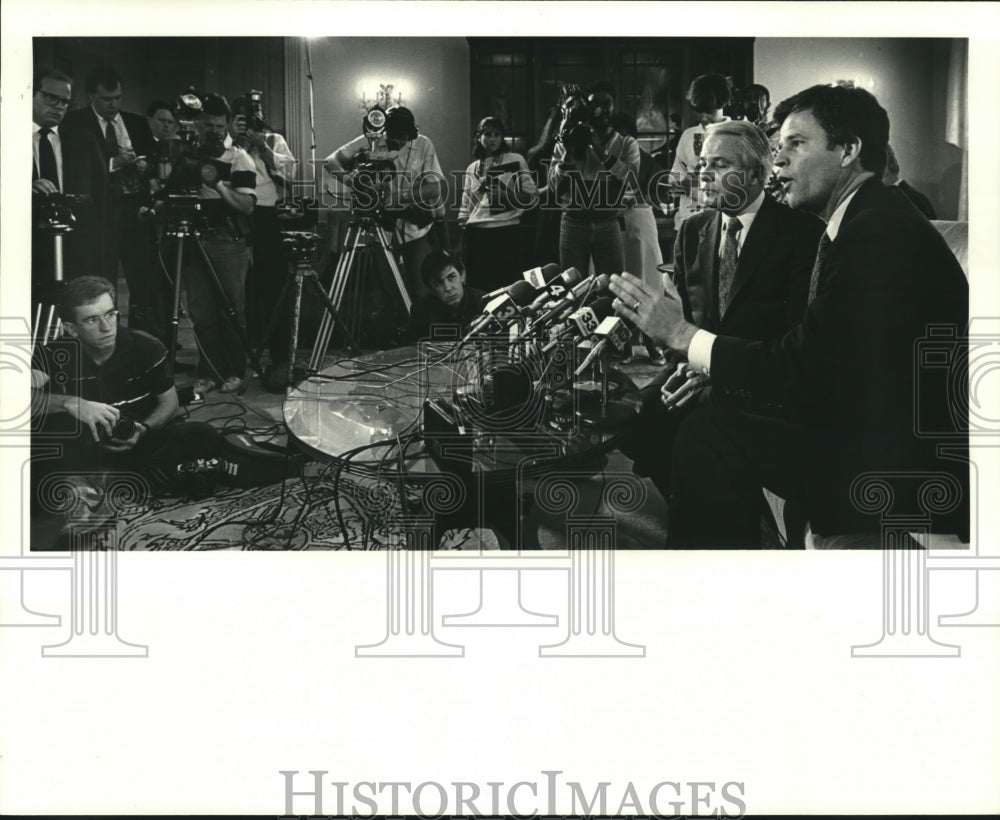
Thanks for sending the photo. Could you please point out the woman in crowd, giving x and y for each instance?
(497, 190)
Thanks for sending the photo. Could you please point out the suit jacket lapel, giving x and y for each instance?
(705, 310)
(754, 247)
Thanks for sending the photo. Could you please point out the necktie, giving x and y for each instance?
(824, 246)
(727, 262)
(47, 168)
(111, 137)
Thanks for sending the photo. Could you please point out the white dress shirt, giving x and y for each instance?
(56, 144)
(124, 141)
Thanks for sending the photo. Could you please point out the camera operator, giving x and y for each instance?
(274, 166)
(127, 144)
(106, 395)
(414, 189)
(64, 162)
(224, 180)
(591, 163)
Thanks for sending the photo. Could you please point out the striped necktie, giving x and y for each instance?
(824, 246)
(727, 262)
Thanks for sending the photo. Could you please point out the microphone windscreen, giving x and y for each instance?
(571, 276)
(550, 272)
(522, 293)
(602, 307)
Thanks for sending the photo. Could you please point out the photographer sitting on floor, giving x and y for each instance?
(107, 398)
(448, 302)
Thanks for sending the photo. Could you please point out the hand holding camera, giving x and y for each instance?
(124, 435)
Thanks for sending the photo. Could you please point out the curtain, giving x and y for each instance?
(956, 116)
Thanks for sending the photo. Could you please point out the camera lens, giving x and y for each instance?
(123, 429)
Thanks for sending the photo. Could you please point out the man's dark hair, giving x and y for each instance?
(240, 105)
(81, 291)
(47, 72)
(215, 105)
(845, 114)
(891, 163)
(159, 105)
(709, 92)
(102, 75)
(602, 87)
(400, 123)
(436, 263)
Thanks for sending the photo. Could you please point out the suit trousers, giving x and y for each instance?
(222, 354)
(129, 242)
(722, 458)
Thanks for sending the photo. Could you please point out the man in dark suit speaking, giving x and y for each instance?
(127, 145)
(742, 268)
(63, 162)
(847, 373)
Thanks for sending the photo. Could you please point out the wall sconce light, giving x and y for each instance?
(383, 97)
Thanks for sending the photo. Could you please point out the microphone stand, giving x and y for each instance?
(609, 414)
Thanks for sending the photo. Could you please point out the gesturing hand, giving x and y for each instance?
(659, 315)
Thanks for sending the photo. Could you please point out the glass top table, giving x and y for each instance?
(368, 408)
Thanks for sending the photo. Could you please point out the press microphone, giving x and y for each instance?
(501, 309)
(540, 277)
(592, 284)
(612, 332)
(583, 321)
(536, 277)
(554, 288)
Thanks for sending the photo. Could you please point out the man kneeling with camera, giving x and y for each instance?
(107, 396)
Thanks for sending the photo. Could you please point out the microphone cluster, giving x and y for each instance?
(532, 341)
(539, 305)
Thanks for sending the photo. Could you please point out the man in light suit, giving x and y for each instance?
(127, 145)
(741, 268)
(847, 373)
(63, 161)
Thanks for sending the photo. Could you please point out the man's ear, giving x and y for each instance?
(70, 329)
(850, 152)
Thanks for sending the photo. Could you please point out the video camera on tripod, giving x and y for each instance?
(370, 172)
(55, 211)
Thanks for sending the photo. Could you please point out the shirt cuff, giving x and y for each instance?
(700, 350)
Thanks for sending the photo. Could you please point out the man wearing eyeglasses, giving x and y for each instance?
(103, 392)
(63, 161)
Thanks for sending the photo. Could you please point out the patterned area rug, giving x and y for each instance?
(302, 515)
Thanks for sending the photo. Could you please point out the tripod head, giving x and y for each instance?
(182, 212)
(56, 211)
(299, 246)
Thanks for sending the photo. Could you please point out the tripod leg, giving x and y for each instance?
(228, 307)
(293, 339)
(176, 309)
(391, 260)
(352, 345)
(273, 322)
(336, 293)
